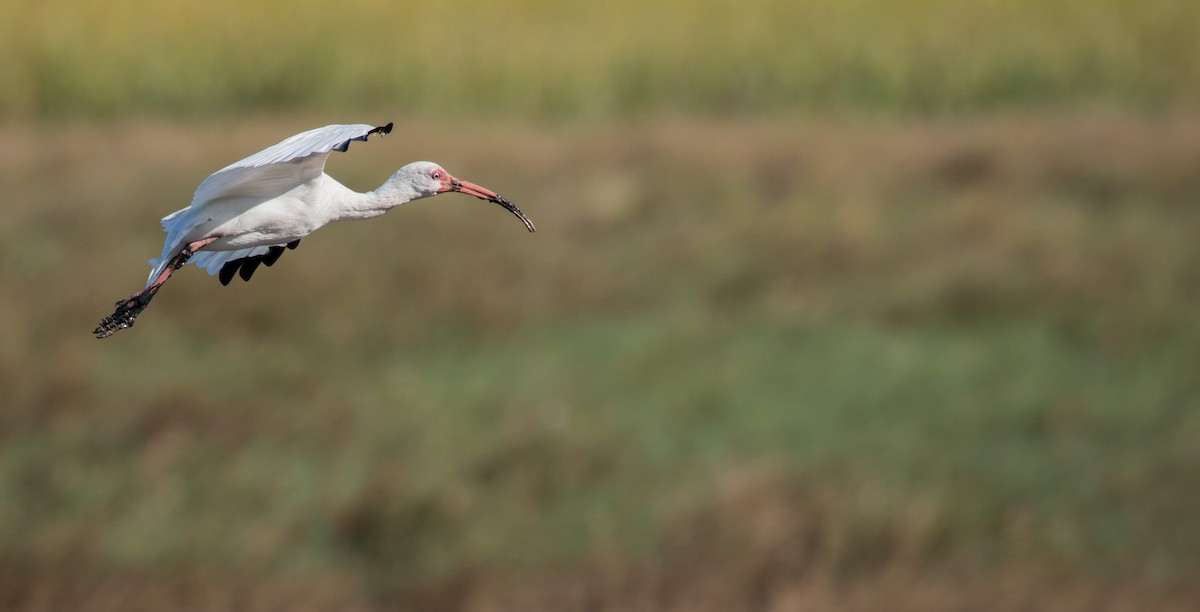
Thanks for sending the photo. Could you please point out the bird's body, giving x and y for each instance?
(248, 212)
(251, 221)
(244, 222)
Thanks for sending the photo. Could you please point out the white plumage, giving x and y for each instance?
(246, 213)
(255, 180)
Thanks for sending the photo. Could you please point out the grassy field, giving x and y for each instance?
(546, 59)
(752, 364)
(834, 305)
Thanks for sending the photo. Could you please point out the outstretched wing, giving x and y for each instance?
(283, 166)
(268, 173)
(243, 262)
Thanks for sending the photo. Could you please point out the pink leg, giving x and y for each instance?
(129, 308)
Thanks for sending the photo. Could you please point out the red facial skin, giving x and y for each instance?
(449, 183)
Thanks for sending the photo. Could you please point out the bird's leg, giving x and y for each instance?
(129, 308)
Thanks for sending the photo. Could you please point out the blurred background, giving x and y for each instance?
(834, 305)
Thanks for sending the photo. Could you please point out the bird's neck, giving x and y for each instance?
(356, 206)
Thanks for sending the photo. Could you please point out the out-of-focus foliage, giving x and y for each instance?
(743, 364)
(841, 304)
(546, 58)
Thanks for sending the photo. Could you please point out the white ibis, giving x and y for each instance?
(247, 213)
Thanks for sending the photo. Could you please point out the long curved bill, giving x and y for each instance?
(484, 193)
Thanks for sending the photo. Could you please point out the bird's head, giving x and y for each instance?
(429, 179)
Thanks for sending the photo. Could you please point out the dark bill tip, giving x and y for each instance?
(512, 208)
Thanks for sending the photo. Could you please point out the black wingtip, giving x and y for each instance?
(246, 266)
(228, 270)
(249, 265)
(273, 254)
(381, 130)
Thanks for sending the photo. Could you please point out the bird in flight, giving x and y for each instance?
(248, 213)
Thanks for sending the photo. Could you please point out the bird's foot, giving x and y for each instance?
(126, 313)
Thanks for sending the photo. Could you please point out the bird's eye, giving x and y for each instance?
(436, 175)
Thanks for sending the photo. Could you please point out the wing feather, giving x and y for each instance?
(289, 163)
(268, 173)
(212, 261)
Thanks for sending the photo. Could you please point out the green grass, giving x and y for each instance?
(742, 363)
(552, 59)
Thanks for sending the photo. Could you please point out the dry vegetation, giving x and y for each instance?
(744, 364)
(840, 304)
(546, 58)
